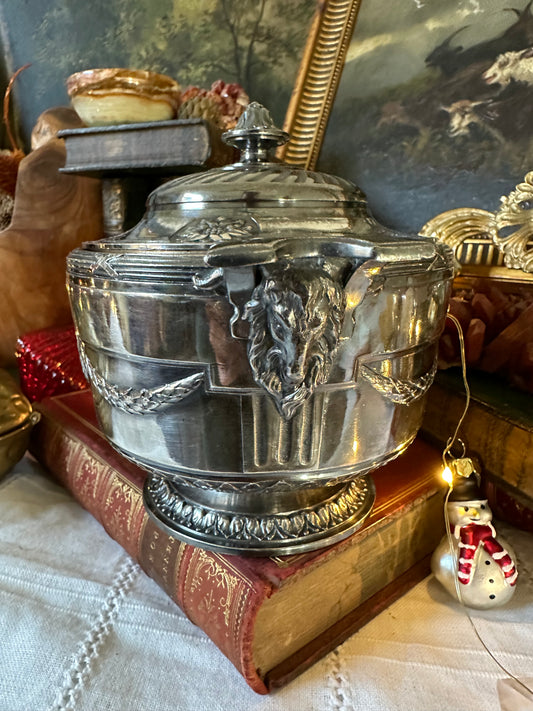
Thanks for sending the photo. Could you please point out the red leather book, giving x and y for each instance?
(272, 617)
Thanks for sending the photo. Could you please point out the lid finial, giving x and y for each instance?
(255, 135)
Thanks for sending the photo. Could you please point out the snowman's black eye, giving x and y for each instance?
(466, 508)
(483, 507)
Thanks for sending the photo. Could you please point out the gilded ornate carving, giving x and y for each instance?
(313, 97)
(508, 230)
(295, 322)
(515, 216)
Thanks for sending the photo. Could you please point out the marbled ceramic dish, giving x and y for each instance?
(114, 96)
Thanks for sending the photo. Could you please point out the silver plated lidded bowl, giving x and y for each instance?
(259, 343)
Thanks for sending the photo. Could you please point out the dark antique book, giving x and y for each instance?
(172, 147)
(272, 617)
(498, 427)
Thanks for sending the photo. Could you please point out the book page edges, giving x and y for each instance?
(288, 620)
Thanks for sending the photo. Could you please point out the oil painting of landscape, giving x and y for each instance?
(435, 106)
(256, 43)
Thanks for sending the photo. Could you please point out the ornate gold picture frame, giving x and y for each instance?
(318, 79)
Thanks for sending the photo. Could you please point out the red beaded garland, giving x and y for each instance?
(49, 363)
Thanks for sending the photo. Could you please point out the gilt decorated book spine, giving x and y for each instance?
(211, 591)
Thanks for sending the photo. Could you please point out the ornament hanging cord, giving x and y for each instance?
(451, 441)
(446, 452)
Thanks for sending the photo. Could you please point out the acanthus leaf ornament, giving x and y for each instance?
(257, 530)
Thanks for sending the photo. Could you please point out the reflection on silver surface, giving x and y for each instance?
(258, 331)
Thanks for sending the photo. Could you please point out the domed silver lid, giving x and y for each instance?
(254, 211)
(257, 178)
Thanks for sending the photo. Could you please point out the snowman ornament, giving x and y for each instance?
(473, 563)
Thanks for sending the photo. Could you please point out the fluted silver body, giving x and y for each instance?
(258, 342)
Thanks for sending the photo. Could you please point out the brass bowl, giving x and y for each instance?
(109, 96)
(16, 421)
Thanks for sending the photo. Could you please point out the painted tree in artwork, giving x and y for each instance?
(257, 38)
(245, 33)
(257, 43)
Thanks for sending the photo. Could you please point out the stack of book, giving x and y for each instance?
(497, 431)
(272, 617)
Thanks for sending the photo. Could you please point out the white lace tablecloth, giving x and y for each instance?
(83, 628)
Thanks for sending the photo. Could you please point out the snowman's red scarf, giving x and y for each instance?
(470, 538)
